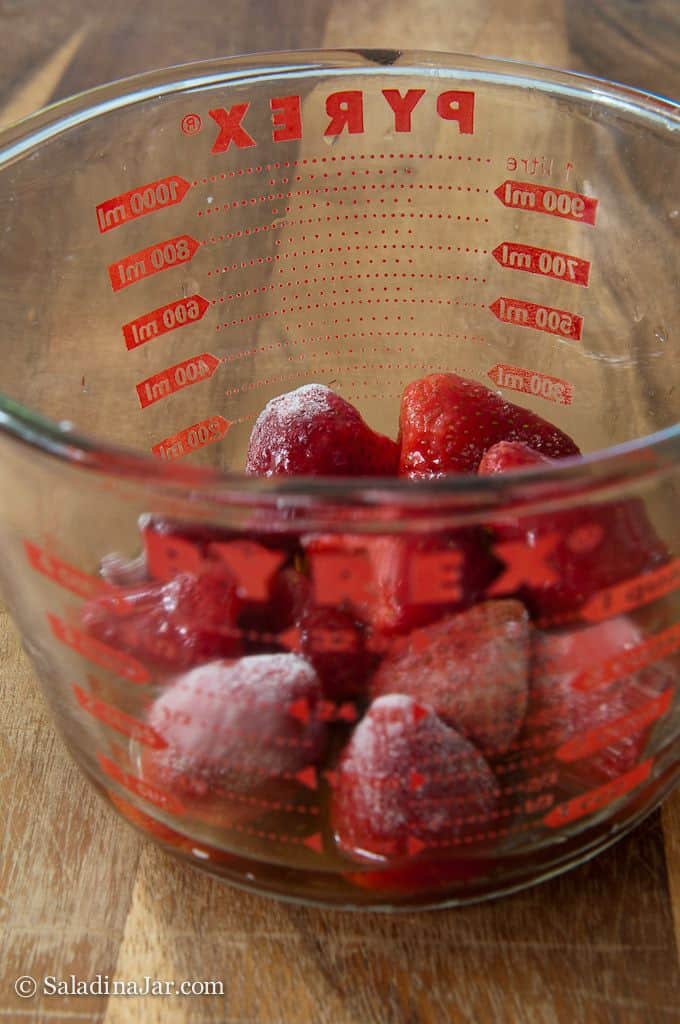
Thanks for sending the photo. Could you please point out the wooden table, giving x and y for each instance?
(81, 893)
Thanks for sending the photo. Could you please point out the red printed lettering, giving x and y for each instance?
(230, 128)
(403, 106)
(458, 106)
(346, 110)
(286, 118)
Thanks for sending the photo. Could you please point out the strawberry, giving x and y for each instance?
(581, 549)
(334, 641)
(447, 422)
(600, 728)
(169, 626)
(231, 727)
(314, 432)
(472, 668)
(397, 582)
(406, 782)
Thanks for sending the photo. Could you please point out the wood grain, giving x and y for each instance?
(81, 893)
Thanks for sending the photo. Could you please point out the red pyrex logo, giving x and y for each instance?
(345, 111)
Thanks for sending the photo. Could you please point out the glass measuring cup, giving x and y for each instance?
(177, 249)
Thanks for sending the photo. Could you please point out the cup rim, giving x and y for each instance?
(654, 454)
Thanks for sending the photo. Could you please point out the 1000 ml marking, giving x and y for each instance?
(139, 202)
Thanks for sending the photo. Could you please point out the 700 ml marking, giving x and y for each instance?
(546, 262)
(153, 260)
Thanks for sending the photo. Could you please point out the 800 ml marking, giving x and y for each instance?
(174, 378)
(153, 260)
(138, 202)
(165, 318)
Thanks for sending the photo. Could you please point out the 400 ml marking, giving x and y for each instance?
(139, 202)
(162, 256)
(174, 378)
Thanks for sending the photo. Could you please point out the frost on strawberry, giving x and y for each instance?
(407, 783)
(472, 668)
(314, 432)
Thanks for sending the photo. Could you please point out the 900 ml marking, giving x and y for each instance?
(152, 261)
(557, 202)
(140, 201)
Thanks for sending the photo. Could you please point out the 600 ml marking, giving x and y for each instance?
(556, 202)
(531, 382)
(540, 318)
(153, 260)
(165, 318)
(174, 378)
(138, 202)
(198, 435)
(546, 262)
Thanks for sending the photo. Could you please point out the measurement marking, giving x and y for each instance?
(175, 378)
(540, 318)
(617, 729)
(556, 202)
(198, 435)
(166, 318)
(140, 787)
(311, 161)
(233, 357)
(140, 201)
(118, 720)
(659, 646)
(545, 262)
(63, 574)
(531, 382)
(156, 258)
(334, 279)
(100, 653)
(236, 204)
(597, 799)
(269, 314)
(632, 593)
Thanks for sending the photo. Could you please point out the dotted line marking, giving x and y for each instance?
(394, 275)
(310, 161)
(269, 314)
(302, 253)
(233, 357)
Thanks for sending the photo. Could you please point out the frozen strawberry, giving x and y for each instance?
(397, 582)
(314, 432)
(472, 668)
(169, 626)
(336, 644)
(447, 423)
(576, 551)
(233, 726)
(407, 782)
(598, 720)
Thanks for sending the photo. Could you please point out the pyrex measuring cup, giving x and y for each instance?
(179, 248)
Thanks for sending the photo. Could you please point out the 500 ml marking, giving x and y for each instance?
(198, 435)
(153, 260)
(546, 262)
(541, 318)
(165, 318)
(531, 382)
(138, 202)
(174, 378)
(556, 202)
